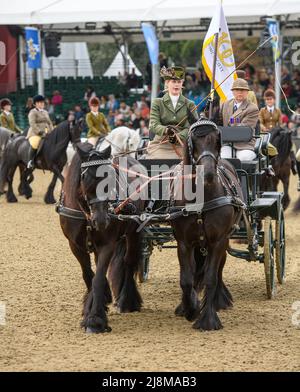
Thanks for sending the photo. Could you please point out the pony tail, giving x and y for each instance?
(4, 168)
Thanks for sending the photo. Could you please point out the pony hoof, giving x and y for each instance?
(90, 330)
(208, 323)
(179, 311)
(50, 201)
(12, 200)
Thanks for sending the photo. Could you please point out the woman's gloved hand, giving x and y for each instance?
(170, 132)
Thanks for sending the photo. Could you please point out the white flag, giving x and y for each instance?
(225, 60)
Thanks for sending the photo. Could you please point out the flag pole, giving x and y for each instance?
(212, 89)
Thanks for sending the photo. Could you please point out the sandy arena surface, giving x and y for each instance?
(42, 288)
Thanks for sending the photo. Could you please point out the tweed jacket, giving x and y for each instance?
(268, 120)
(8, 122)
(163, 113)
(98, 125)
(247, 113)
(39, 122)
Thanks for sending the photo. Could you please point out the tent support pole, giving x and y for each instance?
(155, 81)
(40, 76)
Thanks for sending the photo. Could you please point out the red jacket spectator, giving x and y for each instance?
(57, 98)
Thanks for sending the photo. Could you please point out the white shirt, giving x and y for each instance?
(7, 113)
(270, 108)
(94, 113)
(174, 99)
(237, 104)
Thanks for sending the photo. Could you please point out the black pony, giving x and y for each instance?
(281, 163)
(116, 244)
(204, 238)
(52, 156)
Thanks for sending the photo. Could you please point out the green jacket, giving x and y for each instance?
(8, 122)
(163, 113)
(98, 125)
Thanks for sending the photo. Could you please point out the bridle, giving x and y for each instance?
(85, 167)
(190, 145)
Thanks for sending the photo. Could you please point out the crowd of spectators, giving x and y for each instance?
(196, 87)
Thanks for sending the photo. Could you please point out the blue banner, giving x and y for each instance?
(33, 47)
(151, 41)
(273, 26)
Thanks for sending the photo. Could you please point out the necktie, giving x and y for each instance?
(271, 111)
(234, 108)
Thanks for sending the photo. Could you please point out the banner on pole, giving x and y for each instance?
(33, 47)
(273, 26)
(151, 41)
(225, 63)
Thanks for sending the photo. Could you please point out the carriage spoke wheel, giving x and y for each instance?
(143, 268)
(143, 272)
(269, 258)
(280, 248)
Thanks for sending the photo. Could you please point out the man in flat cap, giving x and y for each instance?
(166, 113)
(239, 111)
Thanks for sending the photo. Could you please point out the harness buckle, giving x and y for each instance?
(185, 212)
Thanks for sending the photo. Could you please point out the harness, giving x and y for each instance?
(231, 197)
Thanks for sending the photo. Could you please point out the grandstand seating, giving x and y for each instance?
(72, 91)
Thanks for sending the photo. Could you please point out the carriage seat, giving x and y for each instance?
(230, 135)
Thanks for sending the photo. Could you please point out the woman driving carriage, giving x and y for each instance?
(166, 113)
(39, 125)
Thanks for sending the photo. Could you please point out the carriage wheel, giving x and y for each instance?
(269, 258)
(143, 270)
(280, 248)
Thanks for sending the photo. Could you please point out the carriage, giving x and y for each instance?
(262, 228)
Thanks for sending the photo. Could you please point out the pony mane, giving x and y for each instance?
(283, 142)
(186, 154)
(58, 139)
(71, 186)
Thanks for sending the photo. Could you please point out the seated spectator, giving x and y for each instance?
(57, 98)
(284, 119)
(124, 109)
(49, 107)
(136, 124)
(29, 105)
(144, 130)
(287, 88)
(119, 120)
(263, 78)
(112, 103)
(111, 119)
(145, 111)
(296, 120)
(103, 103)
(285, 75)
(89, 93)
(132, 80)
(78, 112)
(132, 116)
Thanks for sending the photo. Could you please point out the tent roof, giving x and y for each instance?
(22, 12)
(117, 65)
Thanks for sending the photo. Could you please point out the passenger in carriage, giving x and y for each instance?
(269, 116)
(239, 111)
(167, 112)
